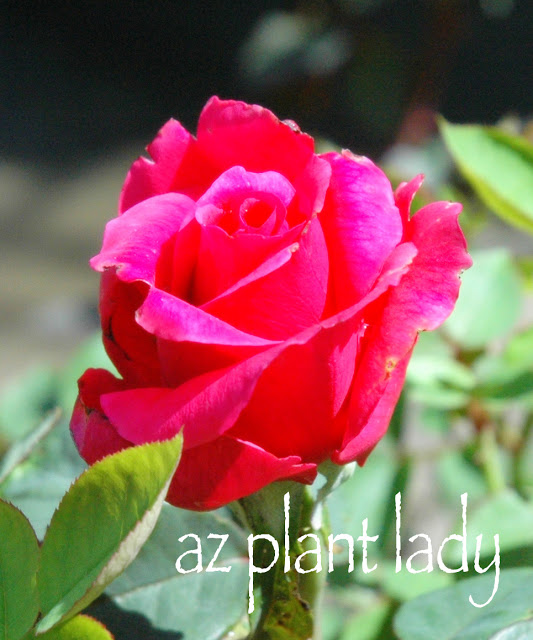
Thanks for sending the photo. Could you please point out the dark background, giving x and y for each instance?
(77, 78)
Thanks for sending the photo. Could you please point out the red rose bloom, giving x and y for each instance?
(264, 298)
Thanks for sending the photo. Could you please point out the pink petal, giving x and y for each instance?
(95, 438)
(206, 406)
(235, 183)
(134, 242)
(312, 185)
(422, 301)
(210, 404)
(182, 361)
(377, 423)
(297, 398)
(171, 318)
(432, 286)
(177, 165)
(303, 390)
(277, 303)
(404, 195)
(234, 133)
(132, 349)
(224, 260)
(361, 224)
(227, 469)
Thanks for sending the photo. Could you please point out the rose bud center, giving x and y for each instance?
(240, 201)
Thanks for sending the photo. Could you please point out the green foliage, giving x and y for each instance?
(489, 300)
(504, 514)
(518, 631)
(91, 541)
(80, 627)
(447, 614)
(498, 166)
(19, 554)
(152, 587)
(24, 447)
(24, 401)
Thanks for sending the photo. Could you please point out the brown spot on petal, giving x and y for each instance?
(390, 365)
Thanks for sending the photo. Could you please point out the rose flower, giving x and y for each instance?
(263, 298)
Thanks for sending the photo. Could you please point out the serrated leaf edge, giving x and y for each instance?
(98, 585)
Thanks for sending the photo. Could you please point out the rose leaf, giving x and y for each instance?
(80, 627)
(19, 558)
(498, 166)
(447, 614)
(100, 526)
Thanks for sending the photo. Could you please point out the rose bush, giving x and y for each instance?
(262, 297)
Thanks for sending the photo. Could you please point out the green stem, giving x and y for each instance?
(291, 599)
(490, 459)
(311, 585)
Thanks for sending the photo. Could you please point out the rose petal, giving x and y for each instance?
(312, 185)
(92, 433)
(301, 393)
(404, 194)
(133, 242)
(227, 469)
(183, 361)
(422, 301)
(235, 183)
(361, 223)
(177, 165)
(171, 318)
(234, 133)
(378, 421)
(132, 350)
(206, 406)
(224, 260)
(277, 303)
(305, 387)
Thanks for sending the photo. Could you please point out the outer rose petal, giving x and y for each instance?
(206, 406)
(422, 301)
(301, 393)
(177, 165)
(132, 349)
(404, 194)
(227, 469)
(135, 242)
(92, 433)
(378, 421)
(305, 387)
(209, 475)
(171, 318)
(234, 133)
(361, 223)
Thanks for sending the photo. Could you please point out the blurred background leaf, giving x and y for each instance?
(498, 166)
